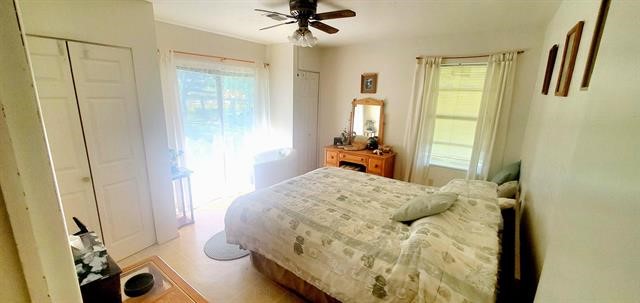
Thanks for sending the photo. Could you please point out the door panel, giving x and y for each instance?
(306, 120)
(107, 98)
(56, 93)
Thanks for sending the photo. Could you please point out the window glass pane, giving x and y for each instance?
(460, 132)
(451, 156)
(459, 103)
(217, 113)
(459, 99)
(463, 77)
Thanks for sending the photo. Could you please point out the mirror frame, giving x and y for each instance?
(369, 101)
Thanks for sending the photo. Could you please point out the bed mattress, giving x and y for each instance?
(332, 228)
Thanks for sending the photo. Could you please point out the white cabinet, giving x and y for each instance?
(92, 121)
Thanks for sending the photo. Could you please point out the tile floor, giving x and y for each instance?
(218, 281)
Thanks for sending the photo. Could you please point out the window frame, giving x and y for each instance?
(440, 160)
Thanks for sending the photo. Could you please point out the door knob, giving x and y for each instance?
(86, 179)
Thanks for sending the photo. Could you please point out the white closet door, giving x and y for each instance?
(306, 120)
(57, 97)
(105, 87)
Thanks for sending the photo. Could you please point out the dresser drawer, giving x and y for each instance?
(353, 159)
(375, 166)
(331, 158)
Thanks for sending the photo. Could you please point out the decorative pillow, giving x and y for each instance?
(466, 188)
(506, 203)
(424, 206)
(508, 173)
(508, 189)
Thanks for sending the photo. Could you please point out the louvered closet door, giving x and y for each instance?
(64, 132)
(105, 87)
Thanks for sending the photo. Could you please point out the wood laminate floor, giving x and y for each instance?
(219, 281)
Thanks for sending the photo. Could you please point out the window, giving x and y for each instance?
(459, 97)
(217, 105)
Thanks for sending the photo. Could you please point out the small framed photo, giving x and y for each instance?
(368, 83)
(337, 141)
(569, 59)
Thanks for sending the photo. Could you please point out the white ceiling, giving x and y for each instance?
(375, 19)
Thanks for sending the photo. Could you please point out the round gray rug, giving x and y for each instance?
(217, 248)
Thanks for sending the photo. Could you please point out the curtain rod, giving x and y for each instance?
(215, 57)
(465, 57)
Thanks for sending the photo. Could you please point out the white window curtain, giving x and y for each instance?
(496, 99)
(170, 99)
(421, 120)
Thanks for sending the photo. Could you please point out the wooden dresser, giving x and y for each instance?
(371, 163)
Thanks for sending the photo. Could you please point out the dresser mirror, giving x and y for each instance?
(367, 119)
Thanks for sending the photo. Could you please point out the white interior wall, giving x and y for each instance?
(308, 59)
(394, 61)
(580, 164)
(185, 39)
(127, 24)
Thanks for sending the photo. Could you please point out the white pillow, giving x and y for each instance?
(471, 187)
(508, 189)
(424, 206)
(506, 203)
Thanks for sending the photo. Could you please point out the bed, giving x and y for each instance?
(327, 235)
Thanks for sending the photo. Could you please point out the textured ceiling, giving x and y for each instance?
(375, 19)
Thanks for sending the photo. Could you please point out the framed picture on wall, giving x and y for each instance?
(369, 83)
(595, 43)
(569, 54)
(551, 63)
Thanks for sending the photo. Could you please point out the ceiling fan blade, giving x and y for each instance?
(272, 26)
(345, 13)
(273, 13)
(323, 27)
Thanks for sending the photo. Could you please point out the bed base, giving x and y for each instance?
(289, 280)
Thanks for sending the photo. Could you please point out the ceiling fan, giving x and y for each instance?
(303, 12)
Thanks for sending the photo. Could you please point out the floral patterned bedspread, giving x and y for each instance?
(332, 228)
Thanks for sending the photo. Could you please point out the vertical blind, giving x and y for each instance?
(459, 96)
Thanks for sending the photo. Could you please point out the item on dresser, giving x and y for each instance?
(378, 152)
(346, 136)
(337, 141)
(356, 146)
(386, 148)
(372, 143)
(353, 167)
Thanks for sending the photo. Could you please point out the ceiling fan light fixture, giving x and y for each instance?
(303, 37)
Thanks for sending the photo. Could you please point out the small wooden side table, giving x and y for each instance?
(168, 285)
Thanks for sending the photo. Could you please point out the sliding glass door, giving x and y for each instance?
(217, 111)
